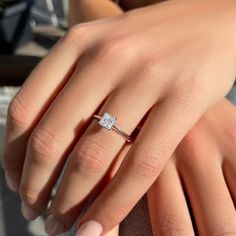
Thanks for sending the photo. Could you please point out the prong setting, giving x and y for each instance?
(107, 121)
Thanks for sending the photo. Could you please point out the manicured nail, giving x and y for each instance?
(11, 183)
(28, 212)
(53, 226)
(90, 228)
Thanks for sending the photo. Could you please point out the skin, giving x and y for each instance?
(205, 159)
(204, 164)
(88, 10)
(177, 95)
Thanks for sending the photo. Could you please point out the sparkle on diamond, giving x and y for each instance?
(107, 121)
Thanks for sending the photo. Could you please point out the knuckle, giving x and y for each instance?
(149, 67)
(60, 207)
(112, 48)
(76, 35)
(66, 211)
(121, 47)
(17, 113)
(43, 143)
(89, 157)
(151, 70)
(28, 195)
(148, 162)
(153, 65)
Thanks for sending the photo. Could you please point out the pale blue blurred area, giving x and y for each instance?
(232, 95)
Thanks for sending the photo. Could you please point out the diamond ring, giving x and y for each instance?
(108, 121)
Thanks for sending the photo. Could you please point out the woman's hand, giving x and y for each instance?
(200, 176)
(170, 62)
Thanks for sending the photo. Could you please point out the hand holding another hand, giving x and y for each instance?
(195, 194)
(161, 62)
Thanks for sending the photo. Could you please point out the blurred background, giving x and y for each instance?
(28, 29)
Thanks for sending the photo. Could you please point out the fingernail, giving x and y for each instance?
(11, 183)
(28, 212)
(53, 226)
(90, 228)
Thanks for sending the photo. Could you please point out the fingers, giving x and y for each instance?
(43, 85)
(53, 226)
(211, 202)
(55, 135)
(156, 141)
(106, 180)
(167, 205)
(110, 174)
(95, 152)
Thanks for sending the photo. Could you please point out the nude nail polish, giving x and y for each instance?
(28, 212)
(53, 226)
(90, 228)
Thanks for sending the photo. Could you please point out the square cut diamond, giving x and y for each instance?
(107, 121)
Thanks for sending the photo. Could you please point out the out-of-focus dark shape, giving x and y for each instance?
(15, 29)
(15, 69)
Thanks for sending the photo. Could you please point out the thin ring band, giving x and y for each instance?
(108, 121)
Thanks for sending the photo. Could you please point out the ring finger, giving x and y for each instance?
(95, 151)
(114, 167)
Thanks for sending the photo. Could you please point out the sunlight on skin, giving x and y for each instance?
(36, 131)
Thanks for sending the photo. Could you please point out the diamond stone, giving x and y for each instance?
(107, 121)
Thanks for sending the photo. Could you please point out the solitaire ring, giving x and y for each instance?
(108, 121)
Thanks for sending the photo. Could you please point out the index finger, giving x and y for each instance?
(35, 96)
